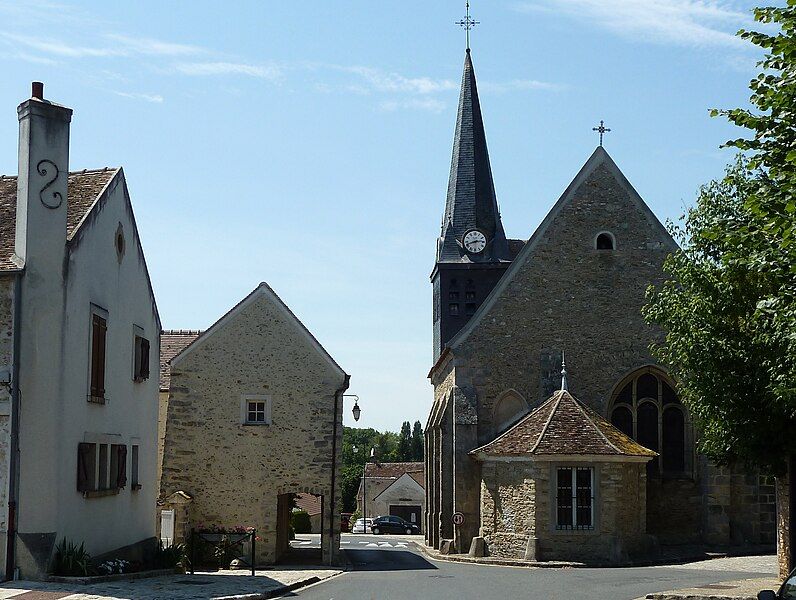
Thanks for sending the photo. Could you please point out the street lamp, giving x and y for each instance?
(356, 410)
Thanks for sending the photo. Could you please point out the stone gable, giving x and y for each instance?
(564, 294)
(235, 471)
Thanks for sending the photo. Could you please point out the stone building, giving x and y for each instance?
(254, 416)
(564, 484)
(393, 489)
(502, 319)
(80, 331)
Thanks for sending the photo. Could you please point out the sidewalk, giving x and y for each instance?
(227, 585)
(744, 589)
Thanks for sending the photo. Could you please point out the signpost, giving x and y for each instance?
(458, 518)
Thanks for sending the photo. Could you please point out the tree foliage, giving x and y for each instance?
(729, 310)
(388, 447)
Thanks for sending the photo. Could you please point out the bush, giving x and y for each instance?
(71, 560)
(300, 520)
(169, 557)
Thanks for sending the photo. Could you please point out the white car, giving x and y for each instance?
(362, 526)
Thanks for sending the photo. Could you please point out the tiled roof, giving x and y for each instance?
(83, 189)
(514, 247)
(309, 503)
(563, 426)
(173, 342)
(393, 470)
(419, 477)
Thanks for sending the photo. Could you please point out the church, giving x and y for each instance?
(595, 464)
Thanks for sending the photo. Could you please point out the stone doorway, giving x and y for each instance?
(306, 550)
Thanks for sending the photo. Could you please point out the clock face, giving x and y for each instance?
(474, 241)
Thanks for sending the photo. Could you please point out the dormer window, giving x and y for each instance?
(605, 241)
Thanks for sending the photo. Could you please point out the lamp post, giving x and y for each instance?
(364, 491)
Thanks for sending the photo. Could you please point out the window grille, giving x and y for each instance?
(575, 498)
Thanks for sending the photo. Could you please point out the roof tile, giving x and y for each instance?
(172, 342)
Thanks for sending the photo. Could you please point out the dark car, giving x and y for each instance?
(786, 592)
(393, 524)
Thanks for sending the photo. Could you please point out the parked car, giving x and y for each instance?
(786, 592)
(393, 524)
(362, 526)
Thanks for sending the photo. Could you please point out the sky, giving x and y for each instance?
(307, 143)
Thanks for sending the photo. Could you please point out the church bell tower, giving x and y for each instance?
(472, 249)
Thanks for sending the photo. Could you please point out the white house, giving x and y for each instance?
(393, 489)
(79, 336)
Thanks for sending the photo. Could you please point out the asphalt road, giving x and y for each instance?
(394, 572)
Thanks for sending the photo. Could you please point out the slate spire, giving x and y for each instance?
(471, 202)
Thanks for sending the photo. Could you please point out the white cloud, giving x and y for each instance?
(381, 81)
(518, 85)
(155, 98)
(151, 46)
(270, 72)
(60, 48)
(681, 22)
(427, 104)
(121, 45)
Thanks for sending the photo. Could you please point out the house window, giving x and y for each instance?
(605, 241)
(140, 357)
(134, 484)
(470, 308)
(647, 409)
(575, 498)
(453, 295)
(453, 309)
(256, 410)
(99, 330)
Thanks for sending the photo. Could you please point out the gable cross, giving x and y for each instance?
(468, 23)
(602, 130)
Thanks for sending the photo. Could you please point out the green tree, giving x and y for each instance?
(417, 442)
(405, 442)
(730, 310)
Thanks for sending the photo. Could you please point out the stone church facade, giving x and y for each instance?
(505, 311)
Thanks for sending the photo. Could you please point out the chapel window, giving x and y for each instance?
(575, 498)
(647, 409)
(509, 408)
(605, 241)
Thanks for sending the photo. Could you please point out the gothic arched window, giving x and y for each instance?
(645, 407)
(509, 408)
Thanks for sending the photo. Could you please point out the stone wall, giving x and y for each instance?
(234, 471)
(517, 518)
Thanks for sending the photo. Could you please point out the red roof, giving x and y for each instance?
(309, 503)
(83, 190)
(171, 344)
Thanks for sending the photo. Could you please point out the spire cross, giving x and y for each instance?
(602, 130)
(468, 23)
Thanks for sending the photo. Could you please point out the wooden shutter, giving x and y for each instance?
(83, 465)
(121, 466)
(99, 328)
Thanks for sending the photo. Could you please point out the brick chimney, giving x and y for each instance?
(40, 239)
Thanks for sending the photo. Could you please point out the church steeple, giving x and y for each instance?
(471, 203)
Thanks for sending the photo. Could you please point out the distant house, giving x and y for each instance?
(253, 417)
(313, 506)
(80, 335)
(393, 489)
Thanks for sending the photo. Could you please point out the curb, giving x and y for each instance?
(508, 562)
(276, 592)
